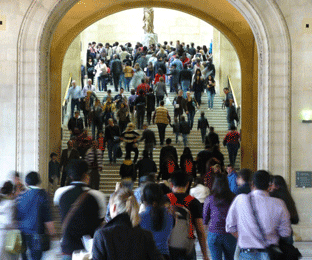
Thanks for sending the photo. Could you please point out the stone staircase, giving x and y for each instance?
(216, 118)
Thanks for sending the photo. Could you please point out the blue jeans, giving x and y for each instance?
(190, 118)
(221, 244)
(33, 245)
(232, 149)
(127, 83)
(122, 80)
(185, 84)
(177, 137)
(112, 149)
(203, 134)
(66, 257)
(74, 102)
(184, 139)
(102, 83)
(210, 99)
(254, 256)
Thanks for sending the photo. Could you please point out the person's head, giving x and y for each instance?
(192, 44)
(137, 67)
(95, 144)
(161, 79)
(210, 78)
(70, 144)
(233, 128)
(162, 103)
(221, 190)
(100, 134)
(90, 59)
(74, 83)
(145, 126)
(122, 105)
(124, 201)
(7, 188)
(243, 176)
(141, 92)
(145, 154)
(278, 183)
(150, 90)
(261, 180)
(187, 151)
(188, 94)
(77, 170)
(182, 118)
(121, 90)
(229, 168)
(89, 81)
(202, 114)
(211, 129)
(32, 179)
(109, 92)
(102, 61)
(198, 72)
(130, 127)
(53, 156)
(115, 56)
(168, 141)
(180, 93)
(111, 122)
(226, 90)
(179, 180)
(132, 91)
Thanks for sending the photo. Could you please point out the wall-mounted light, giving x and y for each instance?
(306, 116)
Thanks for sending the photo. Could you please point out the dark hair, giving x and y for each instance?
(150, 90)
(52, 154)
(165, 189)
(132, 91)
(109, 91)
(7, 188)
(211, 128)
(153, 196)
(143, 80)
(187, 151)
(145, 154)
(141, 92)
(230, 165)
(283, 193)
(102, 60)
(245, 174)
(76, 169)
(179, 179)
(168, 141)
(32, 178)
(221, 190)
(233, 127)
(202, 114)
(199, 72)
(212, 78)
(162, 103)
(261, 180)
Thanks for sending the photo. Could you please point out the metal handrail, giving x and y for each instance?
(65, 103)
(68, 85)
(234, 97)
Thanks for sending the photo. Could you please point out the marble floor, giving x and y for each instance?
(304, 247)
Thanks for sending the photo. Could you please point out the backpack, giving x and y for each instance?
(182, 235)
(188, 166)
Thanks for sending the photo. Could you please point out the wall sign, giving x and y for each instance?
(304, 179)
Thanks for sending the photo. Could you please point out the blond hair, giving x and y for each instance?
(126, 202)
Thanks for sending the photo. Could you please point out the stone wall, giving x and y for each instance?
(227, 64)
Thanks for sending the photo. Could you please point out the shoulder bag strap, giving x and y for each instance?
(73, 209)
(257, 220)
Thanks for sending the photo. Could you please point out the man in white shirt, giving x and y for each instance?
(75, 93)
(272, 215)
(88, 87)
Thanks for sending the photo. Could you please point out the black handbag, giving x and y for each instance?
(284, 251)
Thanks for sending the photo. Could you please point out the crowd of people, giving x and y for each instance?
(178, 199)
(158, 220)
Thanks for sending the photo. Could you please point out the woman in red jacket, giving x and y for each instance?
(159, 74)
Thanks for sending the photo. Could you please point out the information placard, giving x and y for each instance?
(304, 179)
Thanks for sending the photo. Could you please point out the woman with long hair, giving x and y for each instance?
(156, 217)
(280, 190)
(198, 86)
(211, 91)
(122, 238)
(191, 105)
(215, 210)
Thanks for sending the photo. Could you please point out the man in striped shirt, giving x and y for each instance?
(94, 159)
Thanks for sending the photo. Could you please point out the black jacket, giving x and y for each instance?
(202, 123)
(116, 67)
(146, 166)
(127, 170)
(185, 74)
(184, 127)
(150, 102)
(148, 136)
(212, 139)
(75, 124)
(119, 240)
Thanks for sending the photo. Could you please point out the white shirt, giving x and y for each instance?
(87, 88)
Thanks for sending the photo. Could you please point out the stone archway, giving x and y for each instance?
(272, 39)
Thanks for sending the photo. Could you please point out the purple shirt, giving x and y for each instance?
(215, 215)
(273, 216)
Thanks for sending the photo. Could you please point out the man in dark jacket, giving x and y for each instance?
(149, 140)
(212, 138)
(202, 159)
(145, 166)
(150, 105)
(203, 125)
(116, 71)
(139, 106)
(168, 161)
(175, 74)
(184, 130)
(75, 125)
(112, 134)
(185, 79)
(179, 104)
